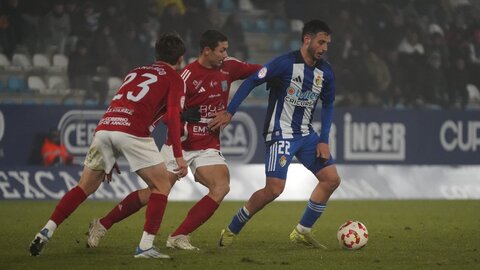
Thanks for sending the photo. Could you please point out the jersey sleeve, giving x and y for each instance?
(240, 70)
(175, 103)
(269, 71)
(328, 97)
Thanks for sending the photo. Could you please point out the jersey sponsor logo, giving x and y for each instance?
(208, 111)
(299, 98)
(120, 110)
(201, 90)
(77, 128)
(214, 95)
(460, 135)
(115, 121)
(373, 140)
(239, 139)
(262, 73)
(200, 130)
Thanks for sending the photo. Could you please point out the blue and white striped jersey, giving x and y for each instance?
(295, 89)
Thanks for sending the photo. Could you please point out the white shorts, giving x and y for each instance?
(108, 146)
(194, 159)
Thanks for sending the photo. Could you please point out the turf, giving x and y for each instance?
(403, 235)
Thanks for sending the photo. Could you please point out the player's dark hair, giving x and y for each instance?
(169, 48)
(315, 26)
(211, 38)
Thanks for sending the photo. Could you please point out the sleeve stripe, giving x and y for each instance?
(229, 58)
(185, 74)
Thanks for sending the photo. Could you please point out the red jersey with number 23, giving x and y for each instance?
(208, 89)
(148, 94)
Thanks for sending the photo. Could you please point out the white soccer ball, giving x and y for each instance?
(352, 235)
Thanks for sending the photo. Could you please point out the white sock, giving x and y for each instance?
(51, 227)
(302, 229)
(246, 211)
(147, 241)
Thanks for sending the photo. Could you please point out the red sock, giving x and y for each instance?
(197, 215)
(67, 205)
(154, 214)
(130, 205)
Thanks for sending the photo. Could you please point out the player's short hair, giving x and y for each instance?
(169, 48)
(211, 38)
(315, 26)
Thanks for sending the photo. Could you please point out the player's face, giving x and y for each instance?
(317, 44)
(217, 56)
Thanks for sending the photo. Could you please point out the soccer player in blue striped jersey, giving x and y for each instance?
(298, 80)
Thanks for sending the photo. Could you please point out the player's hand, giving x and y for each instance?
(108, 176)
(323, 152)
(220, 120)
(182, 169)
(190, 115)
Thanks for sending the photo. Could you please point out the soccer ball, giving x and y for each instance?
(352, 235)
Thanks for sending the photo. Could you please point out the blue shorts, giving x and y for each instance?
(279, 155)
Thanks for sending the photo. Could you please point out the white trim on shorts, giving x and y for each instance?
(194, 159)
(108, 146)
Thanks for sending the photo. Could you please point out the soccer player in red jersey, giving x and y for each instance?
(208, 82)
(149, 94)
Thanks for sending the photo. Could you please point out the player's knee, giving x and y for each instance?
(144, 195)
(275, 191)
(219, 191)
(334, 182)
(222, 189)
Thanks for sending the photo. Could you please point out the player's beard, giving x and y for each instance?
(316, 56)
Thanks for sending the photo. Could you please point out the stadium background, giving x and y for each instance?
(406, 126)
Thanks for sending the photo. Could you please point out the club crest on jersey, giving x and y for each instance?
(262, 73)
(224, 86)
(283, 161)
(318, 80)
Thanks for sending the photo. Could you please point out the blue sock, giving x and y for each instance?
(312, 213)
(239, 220)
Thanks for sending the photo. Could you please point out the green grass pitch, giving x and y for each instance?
(403, 235)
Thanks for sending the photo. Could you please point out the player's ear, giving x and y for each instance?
(180, 62)
(307, 39)
(207, 50)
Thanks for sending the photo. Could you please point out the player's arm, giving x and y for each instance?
(174, 106)
(327, 97)
(267, 72)
(240, 70)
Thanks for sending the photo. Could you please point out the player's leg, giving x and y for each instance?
(127, 207)
(133, 202)
(160, 182)
(273, 188)
(328, 181)
(99, 159)
(216, 179)
(278, 156)
(89, 182)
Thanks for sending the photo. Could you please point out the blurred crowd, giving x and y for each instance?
(386, 53)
